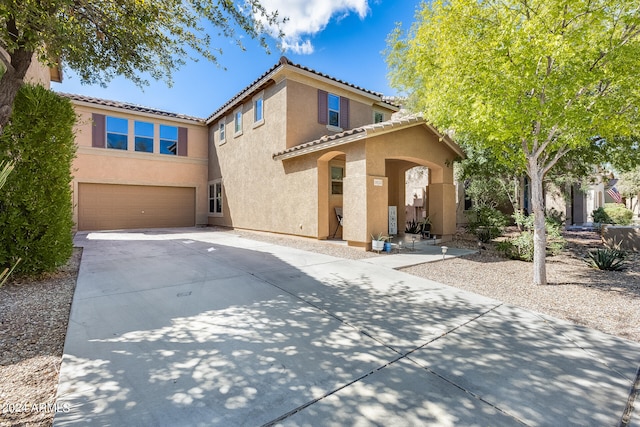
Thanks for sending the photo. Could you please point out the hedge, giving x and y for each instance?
(35, 203)
(613, 213)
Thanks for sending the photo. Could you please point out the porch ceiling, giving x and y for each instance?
(357, 134)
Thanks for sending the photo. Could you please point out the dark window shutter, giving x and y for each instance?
(183, 141)
(344, 113)
(323, 107)
(98, 131)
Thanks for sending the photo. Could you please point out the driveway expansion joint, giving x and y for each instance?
(625, 421)
(401, 356)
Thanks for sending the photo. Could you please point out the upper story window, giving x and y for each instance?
(117, 133)
(114, 132)
(237, 122)
(333, 111)
(258, 109)
(168, 140)
(143, 136)
(378, 117)
(221, 129)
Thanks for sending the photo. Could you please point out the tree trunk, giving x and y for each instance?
(11, 81)
(539, 230)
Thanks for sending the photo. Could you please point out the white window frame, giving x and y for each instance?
(374, 116)
(222, 131)
(258, 105)
(329, 110)
(215, 198)
(237, 122)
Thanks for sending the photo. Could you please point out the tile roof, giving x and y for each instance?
(129, 107)
(266, 77)
(356, 134)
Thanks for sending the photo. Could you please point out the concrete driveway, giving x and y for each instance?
(192, 327)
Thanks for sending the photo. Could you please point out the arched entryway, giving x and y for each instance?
(331, 173)
(433, 203)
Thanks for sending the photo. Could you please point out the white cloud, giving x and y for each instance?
(299, 46)
(309, 17)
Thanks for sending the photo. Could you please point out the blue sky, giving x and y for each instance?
(341, 38)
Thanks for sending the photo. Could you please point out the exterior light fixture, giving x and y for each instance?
(444, 251)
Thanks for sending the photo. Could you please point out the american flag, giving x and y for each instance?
(615, 195)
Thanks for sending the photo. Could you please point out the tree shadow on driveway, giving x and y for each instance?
(201, 328)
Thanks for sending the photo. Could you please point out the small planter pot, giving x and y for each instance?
(377, 245)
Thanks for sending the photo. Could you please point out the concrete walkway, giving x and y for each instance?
(190, 327)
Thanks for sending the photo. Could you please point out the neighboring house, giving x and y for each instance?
(280, 156)
(40, 74)
(575, 203)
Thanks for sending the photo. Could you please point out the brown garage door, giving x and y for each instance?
(113, 207)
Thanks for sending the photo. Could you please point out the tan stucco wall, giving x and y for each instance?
(419, 146)
(302, 117)
(278, 196)
(628, 237)
(102, 165)
(260, 193)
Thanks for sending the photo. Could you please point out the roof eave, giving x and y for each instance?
(249, 91)
(376, 97)
(370, 131)
(131, 109)
(447, 140)
(321, 146)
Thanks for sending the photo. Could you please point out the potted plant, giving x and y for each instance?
(377, 242)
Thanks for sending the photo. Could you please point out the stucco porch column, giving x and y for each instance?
(442, 199)
(365, 208)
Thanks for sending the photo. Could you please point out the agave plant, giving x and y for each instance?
(5, 170)
(610, 259)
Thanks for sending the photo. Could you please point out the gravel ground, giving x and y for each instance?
(34, 313)
(33, 324)
(608, 301)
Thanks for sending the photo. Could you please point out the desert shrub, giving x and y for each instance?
(613, 213)
(35, 204)
(521, 246)
(487, 223)
(611, 259)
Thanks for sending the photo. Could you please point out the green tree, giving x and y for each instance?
(490, 183)
(629, 186)
(532, 80)
(101, 39)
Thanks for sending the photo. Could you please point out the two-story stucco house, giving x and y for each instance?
(280, 156)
